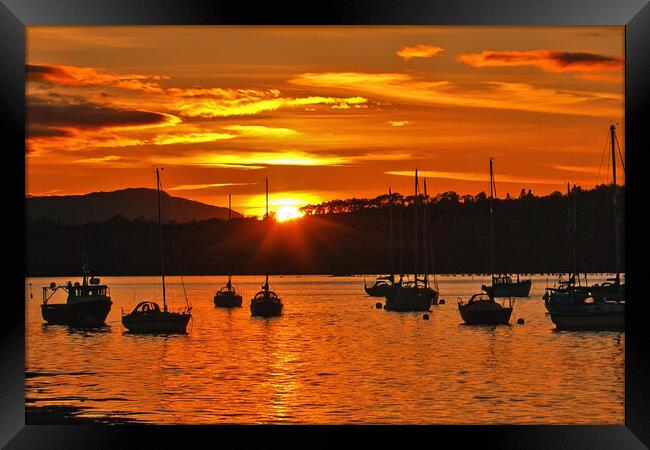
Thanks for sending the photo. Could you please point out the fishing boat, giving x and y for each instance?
(227, 296)
(87, 305)
(416, 294)
(482, 309)
(384, 284)
(147, 317)
(597, 307)
(266, 303)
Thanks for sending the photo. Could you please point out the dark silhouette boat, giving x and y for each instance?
(227, 296)
(597, 307)
(482, 309)
(266, 303)
(383, 285)
(415, 295)
(503, 286)
(147, 317)
(87, 305)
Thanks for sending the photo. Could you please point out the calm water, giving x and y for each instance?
(332, 358)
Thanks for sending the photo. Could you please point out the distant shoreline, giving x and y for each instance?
(170, 275)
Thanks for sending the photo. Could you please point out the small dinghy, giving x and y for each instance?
(227, 297)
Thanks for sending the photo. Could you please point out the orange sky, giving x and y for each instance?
(324, 112)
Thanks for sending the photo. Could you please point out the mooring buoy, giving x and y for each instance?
(378, 305)
(520, 321)
(425, 317)
(442, 301)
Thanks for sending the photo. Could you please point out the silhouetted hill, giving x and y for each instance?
(132, 203)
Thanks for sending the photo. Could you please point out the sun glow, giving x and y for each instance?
(288, 212)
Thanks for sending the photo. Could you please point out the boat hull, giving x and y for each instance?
(266, 308)
(593, 318)
(515, 289)
(228, 301)
(480, 316)
(158, 322)
(410, 299)
(88, 314)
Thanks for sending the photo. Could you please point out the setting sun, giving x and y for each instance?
(289, 212)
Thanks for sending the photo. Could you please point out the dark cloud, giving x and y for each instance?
(49, 114)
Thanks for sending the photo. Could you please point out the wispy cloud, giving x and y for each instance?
(191, 187)
(418, 51)
(398, 123)
(547, 60)
(73, 76)
(262, 131)
(190, 138)
(473, 176)
(500, 95)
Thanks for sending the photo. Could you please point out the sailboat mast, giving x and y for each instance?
(229, 258)
(160, 237)
(267, 197)
(415, 234)
(491, 220)
(392, 245)
(612, 130)
(425, 238)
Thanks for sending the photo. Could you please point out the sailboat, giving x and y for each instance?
(227, 296)
(414, 295)
(384, 284)
(87, 304)
(602, 307)
(567, 291)
(481, 309)
(147, 317)
(266, 303)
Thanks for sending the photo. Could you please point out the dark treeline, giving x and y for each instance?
(342, 236)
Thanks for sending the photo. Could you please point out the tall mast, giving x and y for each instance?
(612, 130)
(415, 234)
(267, 197)
(266, 284)
(491, 221)
(229, 258)
(160, 237)
(392, 245)
(425, 238)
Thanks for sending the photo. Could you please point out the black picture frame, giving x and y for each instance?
(15, 15)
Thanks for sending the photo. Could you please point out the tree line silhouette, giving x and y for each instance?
(343, 237)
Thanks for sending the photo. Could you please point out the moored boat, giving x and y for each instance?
(503, 286)
(147, 317)
(597, 307)
(481, 309)
(415, 295)
(227, 296)
(266, 303)
(87, 305)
